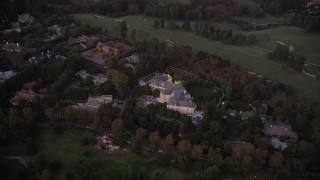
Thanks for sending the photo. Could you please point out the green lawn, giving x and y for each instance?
(198, 91)
(313, 70)
(304, 43)
(249, 58)
(68, 149)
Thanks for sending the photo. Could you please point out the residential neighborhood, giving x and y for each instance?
(163, 89)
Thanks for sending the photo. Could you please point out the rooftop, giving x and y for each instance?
(43, 56)
(279, 130)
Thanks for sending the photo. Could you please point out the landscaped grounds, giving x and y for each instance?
(248, 57)
(69, 150)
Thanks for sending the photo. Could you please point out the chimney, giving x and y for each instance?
(18, 44)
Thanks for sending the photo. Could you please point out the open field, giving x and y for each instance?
(69, 150)
(313, 70)
(306, 44)
(249, 58)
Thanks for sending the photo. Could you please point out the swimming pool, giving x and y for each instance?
(276, 143)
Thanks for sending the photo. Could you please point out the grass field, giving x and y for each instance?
(306, 44)
(313, 70)
(249, 58)
(68, 149)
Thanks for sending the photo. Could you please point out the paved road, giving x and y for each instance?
(19, 158)
(181, 124)
(125, 105)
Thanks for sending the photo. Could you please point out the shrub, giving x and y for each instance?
(86, 153)
(86, 140)
(59, 129)
(172, 26)
(32, 148)
(55, 166)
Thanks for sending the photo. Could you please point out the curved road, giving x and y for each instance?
(19, 158)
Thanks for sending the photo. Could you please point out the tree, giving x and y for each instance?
(156, 24)
(133, 34)
(117, 126)
(252, 39)
(123, 30)
(84, 117)
(215, 155)
(45, 174)
(154, 139)
(260, 156)
(31, 146)
(71, 116)
(276, 162)
(184, 146)
(196, 151)
(37, 164)
(246, 164)
(120, 81)
(120, 139)
(49, 112)
(186, 26)
(162, 23)
(212, 173)
(140, 136)
(168, 144)
(88, 169)
(28, 114)
(106, 114)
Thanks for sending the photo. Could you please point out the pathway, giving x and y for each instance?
(19, 158)
(181, 124)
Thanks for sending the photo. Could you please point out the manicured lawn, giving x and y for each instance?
(304, 43)
(313, 70)
(249, 58)
(198, 91)
(68, 149)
